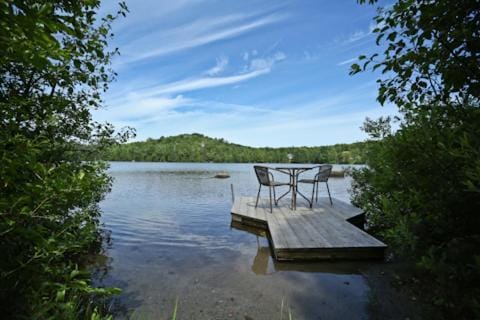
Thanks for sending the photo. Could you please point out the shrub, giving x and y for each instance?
(421, 189)
(53, 68)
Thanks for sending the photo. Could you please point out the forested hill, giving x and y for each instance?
(199, 148)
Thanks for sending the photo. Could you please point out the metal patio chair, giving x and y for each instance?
(265, 178)
(322, 176)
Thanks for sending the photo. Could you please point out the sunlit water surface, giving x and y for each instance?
(171, 238)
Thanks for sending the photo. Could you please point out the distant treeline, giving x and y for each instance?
(199, 148)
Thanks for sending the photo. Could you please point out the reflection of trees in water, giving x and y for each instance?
(122, 306)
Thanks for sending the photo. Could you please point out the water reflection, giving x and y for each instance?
(260, 262)
(264, 262)
(172, 236)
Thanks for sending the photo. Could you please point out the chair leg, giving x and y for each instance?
(258, 195)
(313, 194)
(330, 197)
(316, 195)
(270, 191)
(274, 197)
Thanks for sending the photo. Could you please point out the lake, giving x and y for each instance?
(171, 238)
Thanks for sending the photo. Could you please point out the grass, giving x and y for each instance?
(290, 315)
(174, 316)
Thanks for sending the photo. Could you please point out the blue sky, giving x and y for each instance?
(258, 73)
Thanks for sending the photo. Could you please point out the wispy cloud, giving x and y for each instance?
(265, 63)
(255, 125)
(357, 35)
(211, 67)
(255, 68)
(157, 100)
(135, 108)
(201, 83)
(142, 16)
(195, 34)
(222, 62)
(249, 54)
(341, 116)
(348, 61)
(311, 56)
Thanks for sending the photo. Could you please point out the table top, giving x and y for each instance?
(296, 168)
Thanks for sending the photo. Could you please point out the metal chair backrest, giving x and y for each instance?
(323, 173)
(262, 175)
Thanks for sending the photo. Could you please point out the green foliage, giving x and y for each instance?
(421, 189)
(199, 148)
(421, 193)
(431, 52)
(53, 68)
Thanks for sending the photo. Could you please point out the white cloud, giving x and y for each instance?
(222, 62)
(355, 36)
(279, 56)
(140, 14)
(334, 119)
(255, 125)
(256, 68)
(194, 34)
(201, 83)
(135, 107)
(144, 105)
(308, 56)
(359, 34)
(249, 54)
(349, 61)
(257, 64)
(266, 63)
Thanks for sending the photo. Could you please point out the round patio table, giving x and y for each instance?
(294, 172)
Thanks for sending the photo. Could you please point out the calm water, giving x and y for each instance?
(171, 238)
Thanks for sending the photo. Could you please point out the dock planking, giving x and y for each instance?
(324, 232)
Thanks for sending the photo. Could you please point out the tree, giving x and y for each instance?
(189, 148)
(420, 190)
(53, 69)
(432, 53)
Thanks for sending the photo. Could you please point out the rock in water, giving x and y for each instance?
(337, 174)
(222, 175)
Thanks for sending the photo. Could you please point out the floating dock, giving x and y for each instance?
(324, 232)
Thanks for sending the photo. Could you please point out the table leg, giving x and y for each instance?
(296, 191)
(293, 189)
(294, 196)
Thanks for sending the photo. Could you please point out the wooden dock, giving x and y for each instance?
(324, 232)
